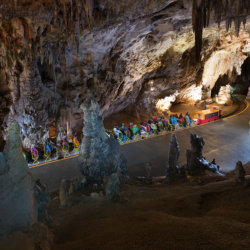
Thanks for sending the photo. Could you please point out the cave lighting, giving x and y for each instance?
(193, 93)
(166, 103)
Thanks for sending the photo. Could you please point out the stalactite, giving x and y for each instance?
(229, 10)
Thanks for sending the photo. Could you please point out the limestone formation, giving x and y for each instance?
(239, 173)
(42, 197)
(173, 155)
(44, 68)
(148, 169)
(196, 163)
(100, 155)
(17, 202)
(113, 187)
(63, 196)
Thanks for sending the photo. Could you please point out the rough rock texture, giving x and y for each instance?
(100, 155)
(17, 202)
(240, 173)
(113, 187)
(196, 163)
(173, 155)
(136, 55)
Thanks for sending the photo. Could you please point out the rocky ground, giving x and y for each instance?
(201, 213)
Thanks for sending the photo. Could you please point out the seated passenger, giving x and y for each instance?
(117, 132)
(181, 120)
(75, 141)
(124, 131)
(154, 128)
(136, 130)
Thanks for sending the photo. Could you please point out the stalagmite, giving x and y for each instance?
(100, 155)
(240, 173)
(173, 155)
(63, 193)
(196, 163)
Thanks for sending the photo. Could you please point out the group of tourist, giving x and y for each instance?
(153, 126)
(53, 149)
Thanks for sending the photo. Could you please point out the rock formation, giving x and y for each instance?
(48, 55)
(148, 169)
(196, 163)
(173, 155)
(100, 155)
(63, 196)
(239, 173)
(17, 202)
(113, 187)
(42, 197)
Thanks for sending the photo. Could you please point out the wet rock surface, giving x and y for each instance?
(100, 155)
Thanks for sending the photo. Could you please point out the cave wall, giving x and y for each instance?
(134, 59)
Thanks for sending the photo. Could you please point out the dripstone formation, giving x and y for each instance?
(173, 156)
(100, 155)
(196, 163)
(18, 206)
(240, 173)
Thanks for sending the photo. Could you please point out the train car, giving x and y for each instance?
(208, 115)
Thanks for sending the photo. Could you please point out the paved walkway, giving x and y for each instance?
(226, 140)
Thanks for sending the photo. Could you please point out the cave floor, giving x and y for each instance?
(159, 216)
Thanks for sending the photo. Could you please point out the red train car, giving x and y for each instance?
(208, 115)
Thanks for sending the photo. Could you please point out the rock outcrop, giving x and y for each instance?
(100, 155)
(113, 187)
(18, 205)
(172, 168)
(239, 173)
(196, 163)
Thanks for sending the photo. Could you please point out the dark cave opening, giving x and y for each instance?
(242, 82)
(222, 81)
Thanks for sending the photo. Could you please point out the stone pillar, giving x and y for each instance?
(99, 156)
(18, 206)
(173, 156)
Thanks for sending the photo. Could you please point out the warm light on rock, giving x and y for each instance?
(166, 103)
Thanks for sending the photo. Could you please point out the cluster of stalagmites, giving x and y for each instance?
(23, 202)
(196, 166)
(196, 163)
(102, 164)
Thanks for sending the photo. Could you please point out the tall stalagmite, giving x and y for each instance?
(17, 203)
(100, 155)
